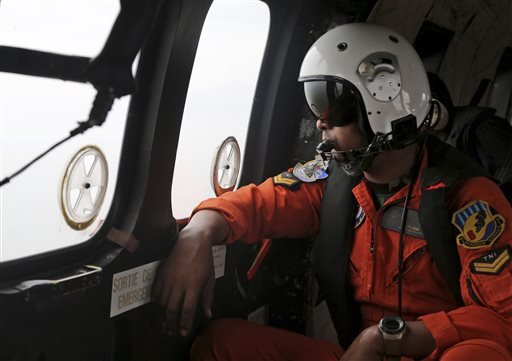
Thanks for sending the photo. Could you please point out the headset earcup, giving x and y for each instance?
(441, 116)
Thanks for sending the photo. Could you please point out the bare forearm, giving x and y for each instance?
(417, 343)
(211, 224)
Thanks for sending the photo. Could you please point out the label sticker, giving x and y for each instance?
(132, 288)
(219, 260)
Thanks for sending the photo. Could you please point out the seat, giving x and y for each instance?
(500, 92)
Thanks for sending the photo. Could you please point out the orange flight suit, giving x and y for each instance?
(275, 211)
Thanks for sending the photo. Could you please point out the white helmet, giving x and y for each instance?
(374, 71)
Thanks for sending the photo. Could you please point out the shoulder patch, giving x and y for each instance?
(311, 171)
(478, 226)
(493, 262)
(286, 179)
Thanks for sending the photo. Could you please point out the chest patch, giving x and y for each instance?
(359, 217)
(478, 226)
(392, 220)
(493, 262)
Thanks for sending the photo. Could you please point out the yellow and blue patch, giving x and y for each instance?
(479, 227)
(493, 262)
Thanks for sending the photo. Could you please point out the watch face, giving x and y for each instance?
(391, 324)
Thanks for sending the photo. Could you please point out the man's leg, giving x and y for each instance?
(476, 350)
(241, 340)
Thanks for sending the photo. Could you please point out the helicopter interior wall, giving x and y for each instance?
(481, 33)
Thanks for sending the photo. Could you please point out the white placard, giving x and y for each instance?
(132, 288)
(219, 260)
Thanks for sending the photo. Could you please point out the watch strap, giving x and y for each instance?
(392, 349)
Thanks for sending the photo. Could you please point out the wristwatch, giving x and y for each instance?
(393, 329)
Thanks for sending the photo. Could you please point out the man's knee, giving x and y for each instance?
(216, 340)
(476, 350)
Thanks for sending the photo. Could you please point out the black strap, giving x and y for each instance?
(441, 237)
(333, 247)
(449, 166)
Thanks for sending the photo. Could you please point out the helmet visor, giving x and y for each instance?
(333, 101)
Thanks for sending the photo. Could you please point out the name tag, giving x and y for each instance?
(393, 217)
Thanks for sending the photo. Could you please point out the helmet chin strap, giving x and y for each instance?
(355, 168)
(355, 161)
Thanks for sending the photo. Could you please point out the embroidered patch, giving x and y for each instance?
(477, 225)
(311, 171)
(286, 179)
(359, 217)
(493, 262)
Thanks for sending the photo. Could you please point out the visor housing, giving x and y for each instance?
(334, 101)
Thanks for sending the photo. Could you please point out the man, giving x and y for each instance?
(476, 131)
(414, 242)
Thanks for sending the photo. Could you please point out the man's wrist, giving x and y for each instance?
(372, 336)
(210, 225)
(392, 329)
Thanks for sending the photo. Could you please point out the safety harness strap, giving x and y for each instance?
(440, 236)
(333, 247)
(447, 167)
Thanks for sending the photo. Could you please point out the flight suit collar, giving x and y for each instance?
(364, 194)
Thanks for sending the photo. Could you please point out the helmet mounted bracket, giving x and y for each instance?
(404, 129)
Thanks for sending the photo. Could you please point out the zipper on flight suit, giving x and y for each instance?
(409, 262)
(472, 293)
(374, 227)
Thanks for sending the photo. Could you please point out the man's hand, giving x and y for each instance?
(367, 346)
(187, 276)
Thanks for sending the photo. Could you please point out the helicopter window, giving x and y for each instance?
(220, 95)
(63, 198)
